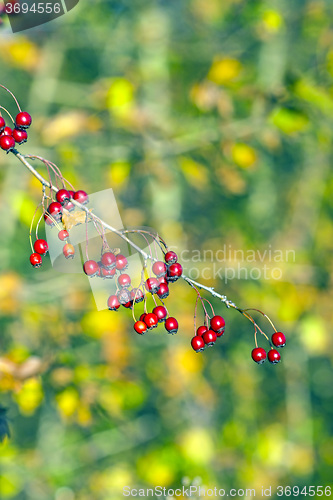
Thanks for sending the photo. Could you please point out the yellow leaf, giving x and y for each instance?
(224, 70)
(76, 218)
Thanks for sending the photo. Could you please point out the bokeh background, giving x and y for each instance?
(212, 122)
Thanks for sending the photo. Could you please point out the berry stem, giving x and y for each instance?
(11, 93)
(10, 116)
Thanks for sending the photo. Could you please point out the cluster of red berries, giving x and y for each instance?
(41, 248)
(165, 273)
(207, 336)
(53, 217)
(259, 354)
(10, 136)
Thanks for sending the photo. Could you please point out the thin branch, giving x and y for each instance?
(223, 298)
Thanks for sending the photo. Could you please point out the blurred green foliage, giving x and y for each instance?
(212, 122)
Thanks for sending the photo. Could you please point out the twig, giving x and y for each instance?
(223, 298)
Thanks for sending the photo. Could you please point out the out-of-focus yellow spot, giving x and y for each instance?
(18, 354)
(205, 95)
(197, 446)
(10, 286)
(24, 206)
(272, 447)
(68, 125)
(68, 402)
(119, 172)
(232, 179)
(173, 228)
(272, 20)
(289, 121)
(314, 335)
(120, 97)
(187, 362)
(84, 415)
(315, 95)
(243, 155)
(97, 323)
(157, 467)
(209, 11)
(10, 485)
(115, 478)
(20, 52)
(224, 70)
(300, 459)
(195, 173)
(30, 396)
(111, 400)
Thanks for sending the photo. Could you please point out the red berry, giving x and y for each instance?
(55, 210)
(274, 356)
(198, 343)
(140, 327)
(170, 257)
(20, 136)
(171, 325)
(35, 260)
(142, 317)
(259, 355)
(81, 197)
(7, 131)
(151, 320)
(160, 312)
(137, 295)
(279, 339)
(217, 324)
(162, 279)
(108, 260)
(108, 273)
(201, 330)
(23, 120)
(48, 219)
(7, 142)
(163, 291)
(68, 251)
(63, 196)
(175, 271)
(152, 285)
(113, 303)
(90, 267)
(159, 268)
(41, 247)
(71, 193)
(124, 297)
(2, 124)
(100, 267)
(124, 280)
(63, 235)
(69, 206)
(209, 337)
(121, 262)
